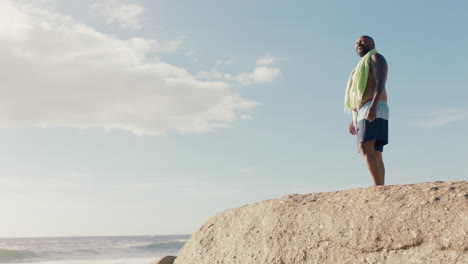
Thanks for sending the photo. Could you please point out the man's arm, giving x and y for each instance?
(379, 68)
(352, 128)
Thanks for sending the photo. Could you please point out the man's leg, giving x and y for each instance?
(368, 153)
(382, 167)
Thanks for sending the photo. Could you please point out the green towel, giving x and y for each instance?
(357, 84)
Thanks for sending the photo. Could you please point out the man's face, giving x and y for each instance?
(363, 45)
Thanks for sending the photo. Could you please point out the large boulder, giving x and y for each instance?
(416, 223)
(166, 260)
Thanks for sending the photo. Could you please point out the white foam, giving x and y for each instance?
(101, 261)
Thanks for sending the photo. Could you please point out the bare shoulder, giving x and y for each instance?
(378, 66)
(378, 59)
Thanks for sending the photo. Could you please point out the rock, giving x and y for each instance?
(166, 260)
(416, 223)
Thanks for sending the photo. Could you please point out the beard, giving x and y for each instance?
(363, 51)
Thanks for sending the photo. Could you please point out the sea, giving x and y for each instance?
(90, 250)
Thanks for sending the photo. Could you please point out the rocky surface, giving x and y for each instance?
(166, 260)
(417, 223)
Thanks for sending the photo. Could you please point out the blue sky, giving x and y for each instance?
(126, 117)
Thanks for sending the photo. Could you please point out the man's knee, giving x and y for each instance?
(367, 148)
(378, 154)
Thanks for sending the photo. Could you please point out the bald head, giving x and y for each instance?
(364, 44)
(368, 38)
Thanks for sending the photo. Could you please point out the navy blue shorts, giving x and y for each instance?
(376, 130)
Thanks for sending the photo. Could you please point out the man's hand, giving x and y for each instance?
(371, 114)
(352, 128)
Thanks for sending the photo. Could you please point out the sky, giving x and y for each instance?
(138, 117)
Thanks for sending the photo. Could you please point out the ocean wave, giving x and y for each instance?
(175, 245)
(7, 255)
(99, 261)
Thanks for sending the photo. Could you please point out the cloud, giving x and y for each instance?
(246, 117)
(215, 74)
(224, 61)
(258, 75)
(249, 170)
(192, 54)
(42, 184)
(264, 74)
(39, 3)
(57, 72)
(187, 187)
(441, 118)
(126, 15)
(269, 59)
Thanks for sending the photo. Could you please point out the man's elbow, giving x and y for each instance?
(379, 86)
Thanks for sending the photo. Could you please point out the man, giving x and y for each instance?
(366, 98)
